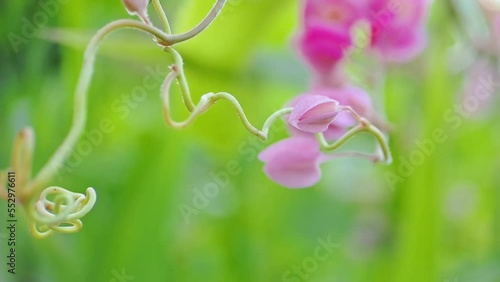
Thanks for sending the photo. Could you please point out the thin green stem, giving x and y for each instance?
(206, 102)
(342, 140)
(273, 118)
(181, 78)
(40, 234)
(165, 97)
(263, 134)
(201, 26)
(370, 157)
(240, 112)
(382, 141)
(65, 208)
(80, 103)
(349, 109)
(362, 127)
(76, 225)
(59, 214)
(163, 16)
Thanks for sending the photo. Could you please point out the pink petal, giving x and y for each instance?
(347, 95)
(398, 28)
(313, 113)
(295, 177)
(399, 45)
(293, 162)
(395, 13)
(340, 14)
(322, 47)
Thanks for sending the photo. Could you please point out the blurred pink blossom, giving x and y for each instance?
(339, 14)
(398, 12)
(322, 47)
(293, 162)
(399, 44)
(398, 28)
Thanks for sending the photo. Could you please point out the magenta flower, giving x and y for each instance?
(340, 14)
(398, 28)
(347, 95)
(293, 162)
(313, 113)
(396, 13)
(323, 47)
(400, 44)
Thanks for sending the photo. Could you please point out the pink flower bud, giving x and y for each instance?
(293, 162)
(313, 113)
(347, 95)
(138, 7)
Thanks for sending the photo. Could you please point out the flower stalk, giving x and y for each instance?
(57, 209)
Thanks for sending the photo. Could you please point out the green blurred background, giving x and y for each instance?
(442, 223)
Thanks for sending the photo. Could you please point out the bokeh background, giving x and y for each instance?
(440, 223)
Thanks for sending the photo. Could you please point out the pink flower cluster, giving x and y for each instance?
(396, 30)
(325, 41)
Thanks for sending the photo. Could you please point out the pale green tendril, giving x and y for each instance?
(60, 210)
(163, 16)
(57, 209)
(209, 99)
(364, 125)
(206, 102)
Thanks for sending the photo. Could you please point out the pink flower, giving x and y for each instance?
(313, 113)
(398, 28)
(323, 47)
(398, 12)
(340, 14)
(293, 162)
(400, 44)
(347, 95)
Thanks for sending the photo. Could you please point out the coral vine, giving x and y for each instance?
(320, 121)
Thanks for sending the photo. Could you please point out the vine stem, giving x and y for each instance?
(80, 103)
(181, 78)
(163, 16)
(372, 158)
(209, 100)
(364, 125)
(214, 12)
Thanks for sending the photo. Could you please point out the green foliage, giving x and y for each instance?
(441, 223)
